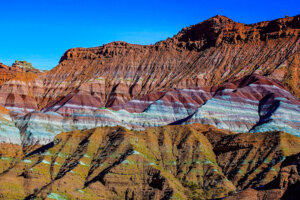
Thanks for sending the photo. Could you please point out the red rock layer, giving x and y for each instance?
(205, 54)
(18, 87)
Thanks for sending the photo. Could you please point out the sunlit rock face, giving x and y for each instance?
(210, 112)
(203, 55)
(277, 113)
(242, 78)
(255, 105)
(126, 160)
(193, 161)
(70, 115)
(9, 133)
(251, 104)
(41, 128)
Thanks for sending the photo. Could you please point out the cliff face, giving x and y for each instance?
(234, 76)
(15, 71)
(221, 30)
(205, 54)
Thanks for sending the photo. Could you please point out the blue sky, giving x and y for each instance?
(40, 31)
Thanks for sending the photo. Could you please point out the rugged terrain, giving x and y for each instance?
(212, 112)
(170, 162)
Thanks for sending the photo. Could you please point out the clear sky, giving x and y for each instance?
(40, 31)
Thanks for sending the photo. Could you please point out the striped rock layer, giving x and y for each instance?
(252, 104)
(238, 77)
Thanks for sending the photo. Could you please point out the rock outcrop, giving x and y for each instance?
(206, 54)
(219, 72)
(199, 75)
(251, 104)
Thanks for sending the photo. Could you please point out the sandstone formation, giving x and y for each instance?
(234, 76)
(251, 104)
(206, 54)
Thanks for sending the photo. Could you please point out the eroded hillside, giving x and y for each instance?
(178, 162)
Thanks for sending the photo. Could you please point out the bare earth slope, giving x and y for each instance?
(171, 162)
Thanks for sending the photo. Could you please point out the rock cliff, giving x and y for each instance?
(231, 75)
